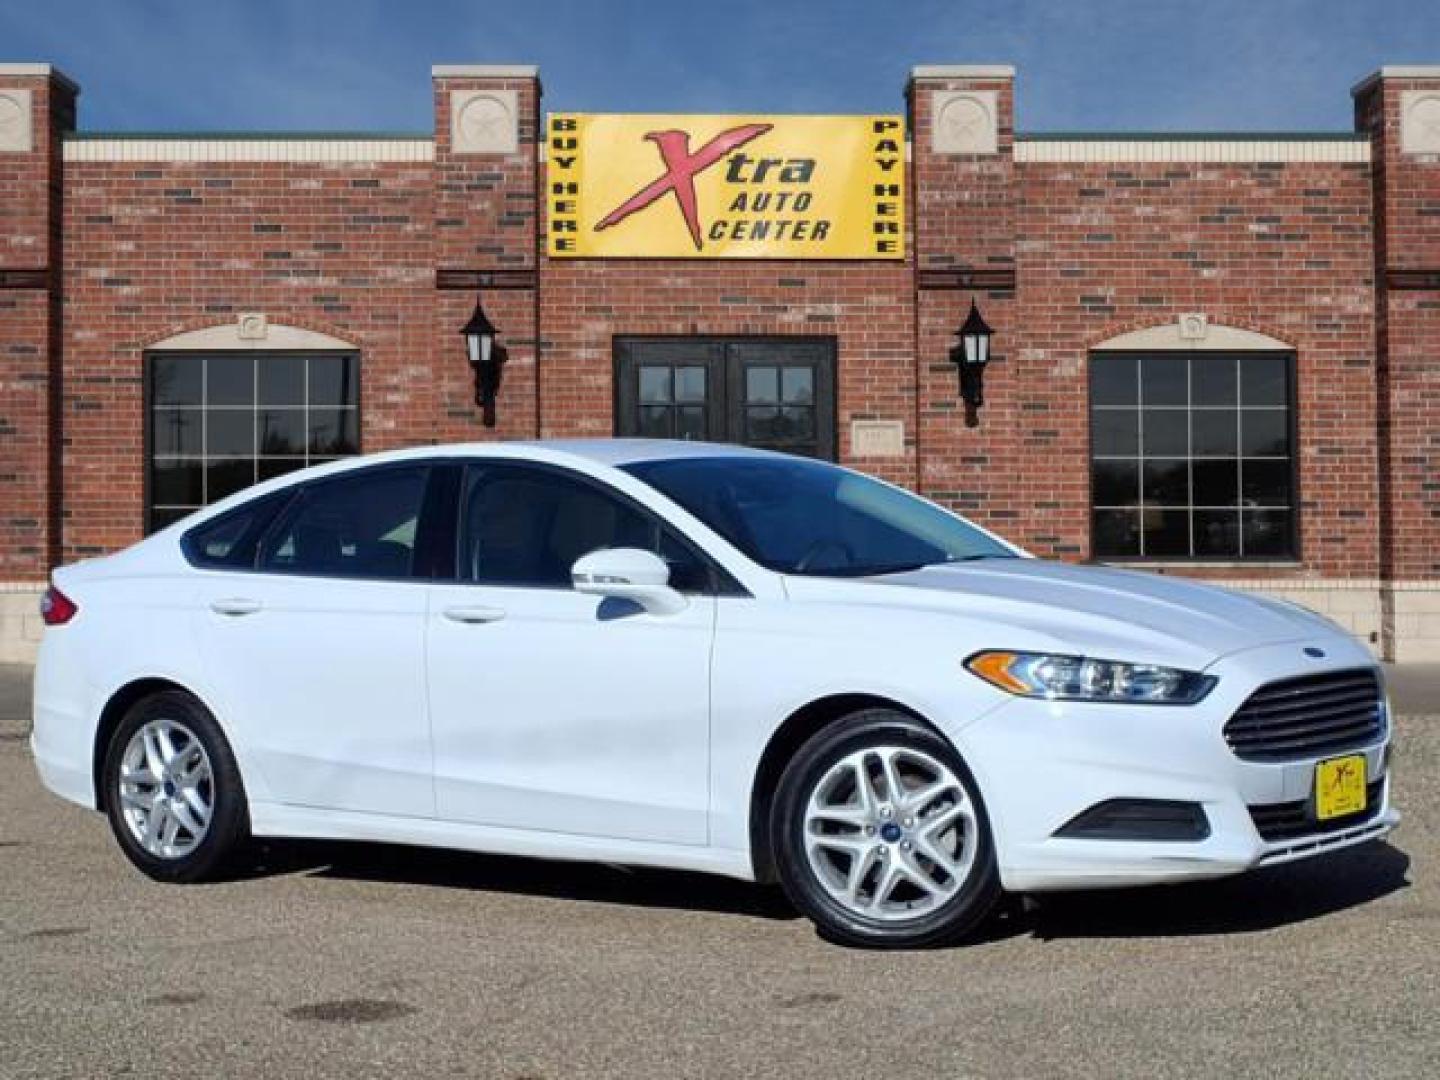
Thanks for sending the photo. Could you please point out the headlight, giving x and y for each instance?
(1081, 678)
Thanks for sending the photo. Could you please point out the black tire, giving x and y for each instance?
(229, 823)
(955, 918)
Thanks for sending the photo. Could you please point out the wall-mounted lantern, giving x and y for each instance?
(487, 358)
(970, 356)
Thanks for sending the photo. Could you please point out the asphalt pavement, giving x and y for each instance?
(367, 960)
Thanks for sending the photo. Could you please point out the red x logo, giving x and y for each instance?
(1343, 773)
(681, 168)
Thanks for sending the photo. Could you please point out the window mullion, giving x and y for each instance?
(1190, 456)
(1140, 448)
(205, 431)
(1239, 462)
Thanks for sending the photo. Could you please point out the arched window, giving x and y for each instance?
(1192, 447)
(219, 419)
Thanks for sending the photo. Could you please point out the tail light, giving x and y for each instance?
(56, 608)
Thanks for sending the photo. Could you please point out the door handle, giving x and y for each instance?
(235, 605)
(474, 614)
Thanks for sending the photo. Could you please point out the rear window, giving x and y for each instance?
(362, 525)
(229, 541)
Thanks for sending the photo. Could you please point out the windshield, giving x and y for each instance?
(798, 516)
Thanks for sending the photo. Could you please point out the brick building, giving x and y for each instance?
(1214, 355)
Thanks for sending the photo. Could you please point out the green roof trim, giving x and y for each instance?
(1191, 136)
(251, 136)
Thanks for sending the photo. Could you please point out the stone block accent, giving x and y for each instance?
(1420, 121)
(17, 131)
(966, 122)
(1416, 608)
(484, 122)
(20, 623)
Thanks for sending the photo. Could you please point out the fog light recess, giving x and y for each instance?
(1138, 819)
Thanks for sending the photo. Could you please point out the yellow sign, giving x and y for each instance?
(1340, 787)
(727, 187)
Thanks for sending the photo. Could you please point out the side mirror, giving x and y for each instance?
(628, 574)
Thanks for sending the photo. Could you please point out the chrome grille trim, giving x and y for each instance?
(1295, 820)
(1308, 716)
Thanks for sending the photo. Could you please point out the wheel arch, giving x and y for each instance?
(116, 706)
(798, 728)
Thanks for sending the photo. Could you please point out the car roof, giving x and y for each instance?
(630, 451)
(613, 452)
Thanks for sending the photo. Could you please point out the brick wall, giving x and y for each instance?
(486, 223)
(1407, 257)
(1061, 255)
(965, 234)
(349, 248)
(1101, 248)
(1407, 203)
(157, 248)
(30, 259)
(866, 307)
(1283, 249)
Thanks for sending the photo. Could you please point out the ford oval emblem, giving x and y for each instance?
(1311, 650)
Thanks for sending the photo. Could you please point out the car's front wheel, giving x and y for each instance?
(172, 790)
(881, 837)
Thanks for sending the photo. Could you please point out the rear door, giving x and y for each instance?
(318, 650)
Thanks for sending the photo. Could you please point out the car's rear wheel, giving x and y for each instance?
(172, 790)
(881, 836)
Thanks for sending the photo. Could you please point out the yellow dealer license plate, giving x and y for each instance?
(1340, 787)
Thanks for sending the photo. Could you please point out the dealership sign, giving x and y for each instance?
(728, 187)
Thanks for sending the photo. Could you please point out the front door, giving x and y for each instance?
(776, 393)
(557, 711)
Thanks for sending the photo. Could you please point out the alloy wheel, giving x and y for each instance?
(166, 789)
(890, 833)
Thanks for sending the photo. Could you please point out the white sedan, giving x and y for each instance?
(696, 656)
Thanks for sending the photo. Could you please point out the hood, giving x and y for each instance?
(1096, 611)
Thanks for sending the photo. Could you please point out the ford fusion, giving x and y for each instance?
(695, 656)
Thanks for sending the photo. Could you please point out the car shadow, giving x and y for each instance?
(582, 881)
(1262, 900)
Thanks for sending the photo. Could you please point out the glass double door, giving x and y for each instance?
(776, 393)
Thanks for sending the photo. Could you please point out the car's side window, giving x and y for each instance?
(527, 526)
(228, 542)
(360, 525)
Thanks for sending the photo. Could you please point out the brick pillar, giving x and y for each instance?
(486, 238)
(1400, 108)
(37, 105)
(964, 190)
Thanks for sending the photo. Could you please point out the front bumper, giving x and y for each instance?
(1039, 764)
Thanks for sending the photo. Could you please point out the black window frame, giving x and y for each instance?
(305, 489)
(269, 507)
(721, 581)
(1295, 549)
(150, 356)
(724, 357)
(291, 498)
(437, 533)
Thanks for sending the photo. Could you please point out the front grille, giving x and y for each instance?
(1287, 820)
(1311, 716)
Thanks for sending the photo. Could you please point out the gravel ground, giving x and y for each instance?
(365, 960)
